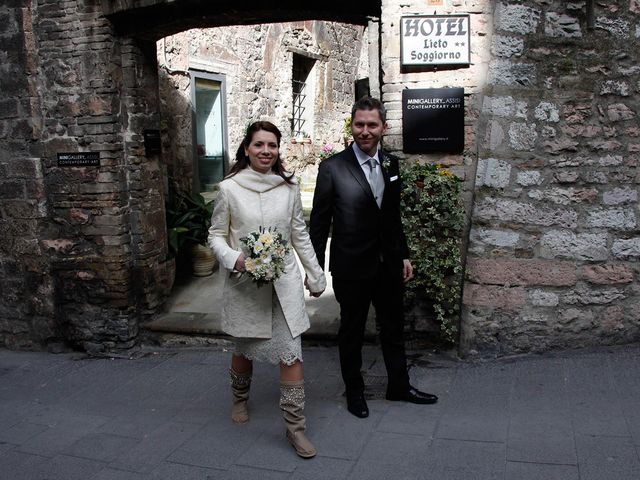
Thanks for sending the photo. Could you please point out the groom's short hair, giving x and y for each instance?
(370, 103)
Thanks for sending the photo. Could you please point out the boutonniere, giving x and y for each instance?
(385, 162)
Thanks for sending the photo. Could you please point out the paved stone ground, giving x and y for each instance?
(164, 414)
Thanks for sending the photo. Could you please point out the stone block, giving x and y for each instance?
(24, 168)
(612, 318)
(105, 230)
(594, 177)
(540, 298)
(9, 108)
(511, 74)
(616, 26)
(615, 87)
(583, 131)
(605, 145)
(499, 238)
(525, 213)
(24, 209)
(507, 46)
(559, 145)
(529, 178)
(492, 172)
(506, 107)
(619, 112)
(12, 189)
(586, 296)
(495, 136)
(615, 218)
(494, 296)
(611, 160)
(562, 25)
(116, 240)
(576, 319)
(516, 19)
(511, 272)
(626, 248)
(576, 246)
(566, 176)
(617, 196)
(607, 274)
(547, 112)
(565, 196)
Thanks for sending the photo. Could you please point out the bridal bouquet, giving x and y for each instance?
(266, 251)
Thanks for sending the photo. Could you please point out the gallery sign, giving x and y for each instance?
(435, 40)
(433, 120)
(79, 159)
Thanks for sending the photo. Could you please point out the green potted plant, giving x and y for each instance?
(188, 222)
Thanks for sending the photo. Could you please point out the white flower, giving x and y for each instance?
(266, 253)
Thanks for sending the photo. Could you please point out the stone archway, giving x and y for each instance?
(155, 19)
(86, 257)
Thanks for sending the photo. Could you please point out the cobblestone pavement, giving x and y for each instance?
(164, 414)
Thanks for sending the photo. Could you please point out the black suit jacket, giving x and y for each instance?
(362, 232)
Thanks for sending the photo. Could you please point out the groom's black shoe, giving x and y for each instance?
(357, 405)
(412, 395)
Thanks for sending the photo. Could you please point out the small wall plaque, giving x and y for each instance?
(152, 144)
(79, 159)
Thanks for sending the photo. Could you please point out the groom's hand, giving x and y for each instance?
(407, 270)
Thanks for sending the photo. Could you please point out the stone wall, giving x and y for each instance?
(86, 249)
(26, 306)
(550, 169)
(257, 64)
(554, 244)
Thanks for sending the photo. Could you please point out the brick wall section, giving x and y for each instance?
(556, 190)
(26, 307)
(101, 230)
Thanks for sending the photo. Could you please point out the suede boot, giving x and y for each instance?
(292, 406)
(240, 383)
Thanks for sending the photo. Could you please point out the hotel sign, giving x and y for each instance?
(435, 40)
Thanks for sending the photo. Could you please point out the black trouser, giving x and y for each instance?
(385, 292)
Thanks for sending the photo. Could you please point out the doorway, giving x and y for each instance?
(218, 81)
(209, 113)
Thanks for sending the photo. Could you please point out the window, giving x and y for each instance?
(210, 131)
(303, 96)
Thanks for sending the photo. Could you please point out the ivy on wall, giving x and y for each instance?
(433, 220)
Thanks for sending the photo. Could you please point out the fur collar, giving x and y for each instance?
(256, 181)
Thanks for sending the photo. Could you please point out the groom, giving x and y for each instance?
(358, 192)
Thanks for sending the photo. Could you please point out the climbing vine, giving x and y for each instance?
(433, 220)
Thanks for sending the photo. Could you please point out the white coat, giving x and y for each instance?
(247, 201)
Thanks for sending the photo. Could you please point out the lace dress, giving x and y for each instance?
(281, 347)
